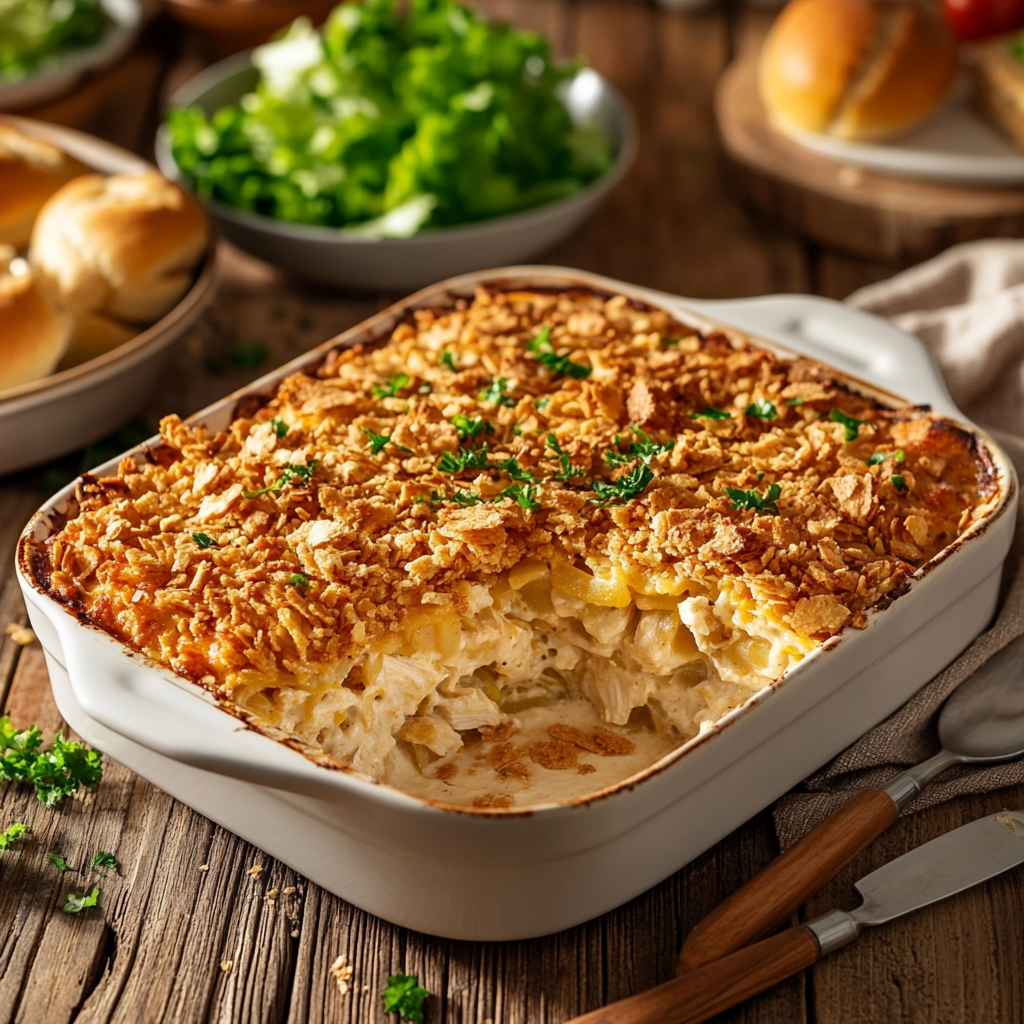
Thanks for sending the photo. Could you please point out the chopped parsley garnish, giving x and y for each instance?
(497, 392)
(795, 401)
(517, 431)
(514, 470)
(298, 579)
(671, 341)
(447, 358)
(710, 414)
(391, 386)
(456, 462)
(13, 834)
(754, 501)
(79, 900)
(879, 457)
(568, 469)
(101, 861)
(851, 423)
(203, 540)
(248, 355)
(468, 429)
(55, 773)
(545, 352)
(404, 996)
(899, 483)
(761, 410)
(426, 388)
(280, 427)
(378, 442)
(644, 449)
(466, 498)
(291, 472)
(58, 862)
(627, 486)
(541, 404)
(525, 494)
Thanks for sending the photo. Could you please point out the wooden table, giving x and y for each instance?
(172, 942)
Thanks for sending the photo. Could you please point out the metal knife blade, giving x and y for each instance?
(947, 865)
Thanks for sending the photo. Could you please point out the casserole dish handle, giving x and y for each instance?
(863, 345)
(163, 717)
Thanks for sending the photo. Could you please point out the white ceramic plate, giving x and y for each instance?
(342, 257)
(62, 72)
(956, 144)
(67, 410)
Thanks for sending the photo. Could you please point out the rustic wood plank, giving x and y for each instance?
(955, 961)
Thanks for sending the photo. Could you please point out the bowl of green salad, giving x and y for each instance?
(48, 46)
(399, 145)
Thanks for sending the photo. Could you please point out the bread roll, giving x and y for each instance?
(31, 170)
(856, 69)
(33, 336)
(122, 247)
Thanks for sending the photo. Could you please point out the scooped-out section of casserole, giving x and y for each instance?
(521, 548)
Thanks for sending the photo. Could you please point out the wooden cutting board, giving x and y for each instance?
(894, 220)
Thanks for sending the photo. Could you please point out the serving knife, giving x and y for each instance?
(947, 865)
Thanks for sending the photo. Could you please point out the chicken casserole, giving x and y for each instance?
(521, 549)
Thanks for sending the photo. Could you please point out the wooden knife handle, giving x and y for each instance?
(700, 994)
(785, 884)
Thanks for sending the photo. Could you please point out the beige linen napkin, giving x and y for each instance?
(967, 306)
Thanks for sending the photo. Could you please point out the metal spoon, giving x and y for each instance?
(981, 722)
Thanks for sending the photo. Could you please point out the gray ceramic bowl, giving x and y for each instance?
(337, 256)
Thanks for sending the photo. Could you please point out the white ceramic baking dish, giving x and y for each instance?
(482, 875)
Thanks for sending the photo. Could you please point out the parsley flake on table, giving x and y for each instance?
(545, 353)
(879, 457)
(627, 486)
(203, 540)
(468, 428)
(56, 773)
(899, 483)
(247, 355)
(404, 996)
(102, 860)
(58, 862)
(568, 469)
(761, 410)
(497, 392)
(754, 501)
(378, 442)
(391, 386)
(447, 358)
(851, 423)
(456, 462)
(13, 834)
(291, 472)
(643, 449)
(710, 413)
(79, 900)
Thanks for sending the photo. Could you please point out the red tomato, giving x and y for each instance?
(972, 19)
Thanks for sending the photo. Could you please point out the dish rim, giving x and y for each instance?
(185, 96)
(86, 148)
(377, 327)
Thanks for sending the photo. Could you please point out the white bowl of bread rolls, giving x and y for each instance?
(104, 263)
